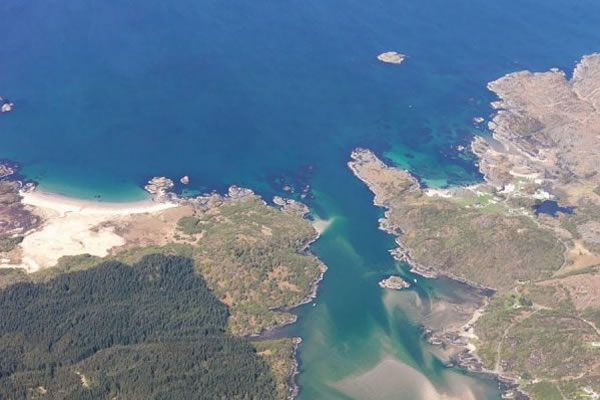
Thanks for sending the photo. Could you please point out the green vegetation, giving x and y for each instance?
(279, 354)
(15, 219)
(9, 276)
(7, 243)
(592, 314)
(488, 248)
(491, 326)
(252, 257)
(586, 212)
(537, 332)
(148, 331)
(544, 390)
(549, 297)
(549, 344)
(533, 328)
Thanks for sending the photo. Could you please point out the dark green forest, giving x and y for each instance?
(152, 330)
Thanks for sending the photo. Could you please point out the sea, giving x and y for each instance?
(274, 95)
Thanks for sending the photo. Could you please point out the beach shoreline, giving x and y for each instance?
(67, 204)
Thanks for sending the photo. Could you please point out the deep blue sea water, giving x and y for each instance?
(266, 93)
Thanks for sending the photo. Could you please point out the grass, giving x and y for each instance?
(8, 243)
(251, 257)
(544, 391)
(482, 245)
(279, 354)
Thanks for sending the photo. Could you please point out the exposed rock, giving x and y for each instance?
(15, 218)
(6, 169)
(291, 206)
(6, 105)
(547, 128)
(159, 186)
(391, 57)
(394, 283)
(238, 193)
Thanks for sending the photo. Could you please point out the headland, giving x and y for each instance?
(537, 319)
(253, 256)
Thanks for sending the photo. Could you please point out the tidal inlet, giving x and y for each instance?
(299, 200)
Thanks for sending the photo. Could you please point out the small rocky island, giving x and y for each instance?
(394, 282)
(6, 105)
(391, 57)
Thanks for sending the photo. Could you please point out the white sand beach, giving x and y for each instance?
(63, 204)
(73, 226)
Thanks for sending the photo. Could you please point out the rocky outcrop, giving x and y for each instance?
(7, 169)
(291, 206)
(391, 57)
(159, 187)
(394, 283)
(546, 129)
(6, 105)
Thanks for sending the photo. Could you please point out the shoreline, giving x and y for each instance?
(467, 358)
(63, 207)
(67, 204)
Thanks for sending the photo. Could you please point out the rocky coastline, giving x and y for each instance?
(464, 355)
(294, 388)
(161, 190)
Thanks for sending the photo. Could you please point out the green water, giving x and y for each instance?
(111, 93)
(361, 342)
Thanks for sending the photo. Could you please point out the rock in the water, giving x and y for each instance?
(391, 57)
(7, 106)
(238, 193)
(291, 206)
(394, 282)
(159, 186)
(6, 169)
(185, 180)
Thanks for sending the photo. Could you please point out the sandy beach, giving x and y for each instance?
(63, 204)
(72, 226)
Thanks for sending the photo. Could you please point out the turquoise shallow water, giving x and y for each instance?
(265, 93)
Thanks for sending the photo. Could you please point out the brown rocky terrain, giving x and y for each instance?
(541, 327)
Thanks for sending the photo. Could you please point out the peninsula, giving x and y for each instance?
(251, 256)
(540, 326)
